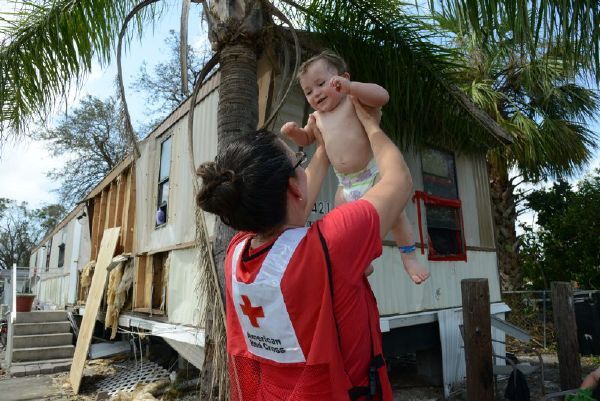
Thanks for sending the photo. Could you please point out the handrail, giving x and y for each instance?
(13, 314)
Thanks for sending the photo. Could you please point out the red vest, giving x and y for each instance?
(282, 340)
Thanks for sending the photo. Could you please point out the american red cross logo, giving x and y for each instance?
(252, 312)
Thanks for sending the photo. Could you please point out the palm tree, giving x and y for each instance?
(537, 99)
(572, 26)
(52, 42)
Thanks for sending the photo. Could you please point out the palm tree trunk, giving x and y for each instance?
(237, 115)
(505, 218)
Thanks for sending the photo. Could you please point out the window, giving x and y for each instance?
(48, 247)
(163, 182)
(443, 210)
(61, 255)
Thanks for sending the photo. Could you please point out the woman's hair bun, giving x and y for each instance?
(219, 191)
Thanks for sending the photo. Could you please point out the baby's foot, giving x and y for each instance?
(415, 270)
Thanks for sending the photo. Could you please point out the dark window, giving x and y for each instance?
(163, 182)
(48, 251)
(61, 255)
(445, 236)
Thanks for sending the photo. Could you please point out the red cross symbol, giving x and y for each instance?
(252, 312)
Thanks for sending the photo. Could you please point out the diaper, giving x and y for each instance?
(355, 185)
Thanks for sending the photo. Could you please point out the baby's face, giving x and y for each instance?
(315, 85)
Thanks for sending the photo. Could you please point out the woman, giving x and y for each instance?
(302, 321)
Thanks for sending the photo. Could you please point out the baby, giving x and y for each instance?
(326, 85)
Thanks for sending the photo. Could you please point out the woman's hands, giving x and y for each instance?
(368, 116)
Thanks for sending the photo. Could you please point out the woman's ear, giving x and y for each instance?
(294, 188)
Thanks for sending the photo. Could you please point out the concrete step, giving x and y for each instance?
(32, 368)
(41, 353)
(41, 316)
(28, 329)
(43, 340)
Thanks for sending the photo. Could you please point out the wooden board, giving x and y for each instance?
(107, 248)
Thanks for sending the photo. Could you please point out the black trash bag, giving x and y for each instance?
(517, 388)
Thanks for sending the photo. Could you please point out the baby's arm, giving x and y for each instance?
(371, 95)
(301, 136)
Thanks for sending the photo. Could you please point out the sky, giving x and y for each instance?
(23, 166)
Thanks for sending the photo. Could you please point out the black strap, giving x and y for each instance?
(329, 271)
(377, 361)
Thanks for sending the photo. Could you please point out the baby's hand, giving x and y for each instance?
(340, 84)
(312, 121)
(289, 128)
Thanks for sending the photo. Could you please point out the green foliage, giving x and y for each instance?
(583, 394)
(49, 216)
(47, 45)
(92, 137)
(569, 29)
(564, 246)
(162, 86)
(534, 97)
(21, 228)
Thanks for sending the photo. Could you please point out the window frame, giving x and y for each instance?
(163, 204)
(61, 255)
(425, 198)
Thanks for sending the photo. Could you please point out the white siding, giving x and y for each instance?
(182, 297)
(397, 294)
(53, 291)
(180, 226)
(53, 287)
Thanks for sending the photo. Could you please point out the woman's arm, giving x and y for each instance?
(316, 171)
(591, 380)
(391, 193)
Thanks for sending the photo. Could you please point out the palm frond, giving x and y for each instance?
(554, 148)
(538, 99)
(572, 27)
(48, 45)
(383, 43)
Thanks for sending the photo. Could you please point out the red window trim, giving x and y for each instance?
(438, 201)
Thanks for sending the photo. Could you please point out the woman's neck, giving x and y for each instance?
(266, 237)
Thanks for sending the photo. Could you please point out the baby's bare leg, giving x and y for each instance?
(340, 200)
(403, 235)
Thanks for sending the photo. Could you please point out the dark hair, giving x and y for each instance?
(331, 58)
(247, 183)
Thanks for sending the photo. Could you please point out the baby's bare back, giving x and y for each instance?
(345, 139)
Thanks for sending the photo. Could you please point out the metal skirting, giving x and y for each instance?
(388, 323)
(185, 334)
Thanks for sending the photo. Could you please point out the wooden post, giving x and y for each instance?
(565, 327)
(478, 339)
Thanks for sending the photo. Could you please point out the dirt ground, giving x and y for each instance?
(404, 391)
(407, 388)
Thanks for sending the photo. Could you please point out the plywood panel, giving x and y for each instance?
(129, 212)
(111, 207)
(148, 285)
(107, 249)
(101, 220)
(95, 227)
(121, 185)
(265, 80)
(139, 282)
